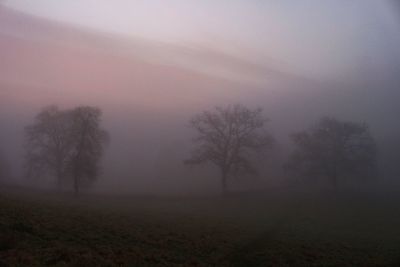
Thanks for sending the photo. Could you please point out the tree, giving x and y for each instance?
(335, 150)
(88, 143)
(48, 144)
(228, 137)
(60, 142)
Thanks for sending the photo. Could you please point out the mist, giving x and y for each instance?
(199, 133)
(343, 62)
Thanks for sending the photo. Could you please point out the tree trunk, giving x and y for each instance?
(76, 183)
(224, 178)
(59, 180)
(334, 178)
(334, 182)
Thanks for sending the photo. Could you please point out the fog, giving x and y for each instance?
(151, 66)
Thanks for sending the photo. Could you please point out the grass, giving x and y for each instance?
(274, 229)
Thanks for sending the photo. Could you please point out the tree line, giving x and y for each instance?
(68, 145)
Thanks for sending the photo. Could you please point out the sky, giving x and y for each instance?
(150, 65)
(319, 39)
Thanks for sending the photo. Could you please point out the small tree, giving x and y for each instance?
(335, 150)
(227, 137)
(67, 144)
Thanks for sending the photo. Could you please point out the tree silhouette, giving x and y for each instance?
(227, 137)
(88, 142)
(48, 144)
(335, 150)
(66, 144)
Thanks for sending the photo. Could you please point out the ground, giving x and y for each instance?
(264, 229)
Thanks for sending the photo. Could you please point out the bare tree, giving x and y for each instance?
(334, 149)
(67, 144)
(228, 137)
(89, 140)
(48, 144)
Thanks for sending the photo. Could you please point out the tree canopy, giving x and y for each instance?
(227, 137)
(65, 144)
(334, 149)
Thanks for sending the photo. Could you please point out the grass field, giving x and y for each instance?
(270, 229)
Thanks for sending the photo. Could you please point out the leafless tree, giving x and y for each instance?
(67, 144)
(334, 149)
(89, 140)
(228, 137)
(48, 144)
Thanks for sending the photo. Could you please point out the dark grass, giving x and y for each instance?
(269, 229)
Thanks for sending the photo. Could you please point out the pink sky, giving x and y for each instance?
(153, 55)
(311, 37)
(45, 62)
(170, 59)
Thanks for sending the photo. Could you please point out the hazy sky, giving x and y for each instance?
(151, 64)
(311, 37)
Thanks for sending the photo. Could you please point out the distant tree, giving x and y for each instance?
(227, 137)
(335, 150)
(60, 142)
(88, 143)
(48, 144)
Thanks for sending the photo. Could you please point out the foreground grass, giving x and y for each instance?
(39, 229)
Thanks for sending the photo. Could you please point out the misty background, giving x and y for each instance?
(151, 65)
